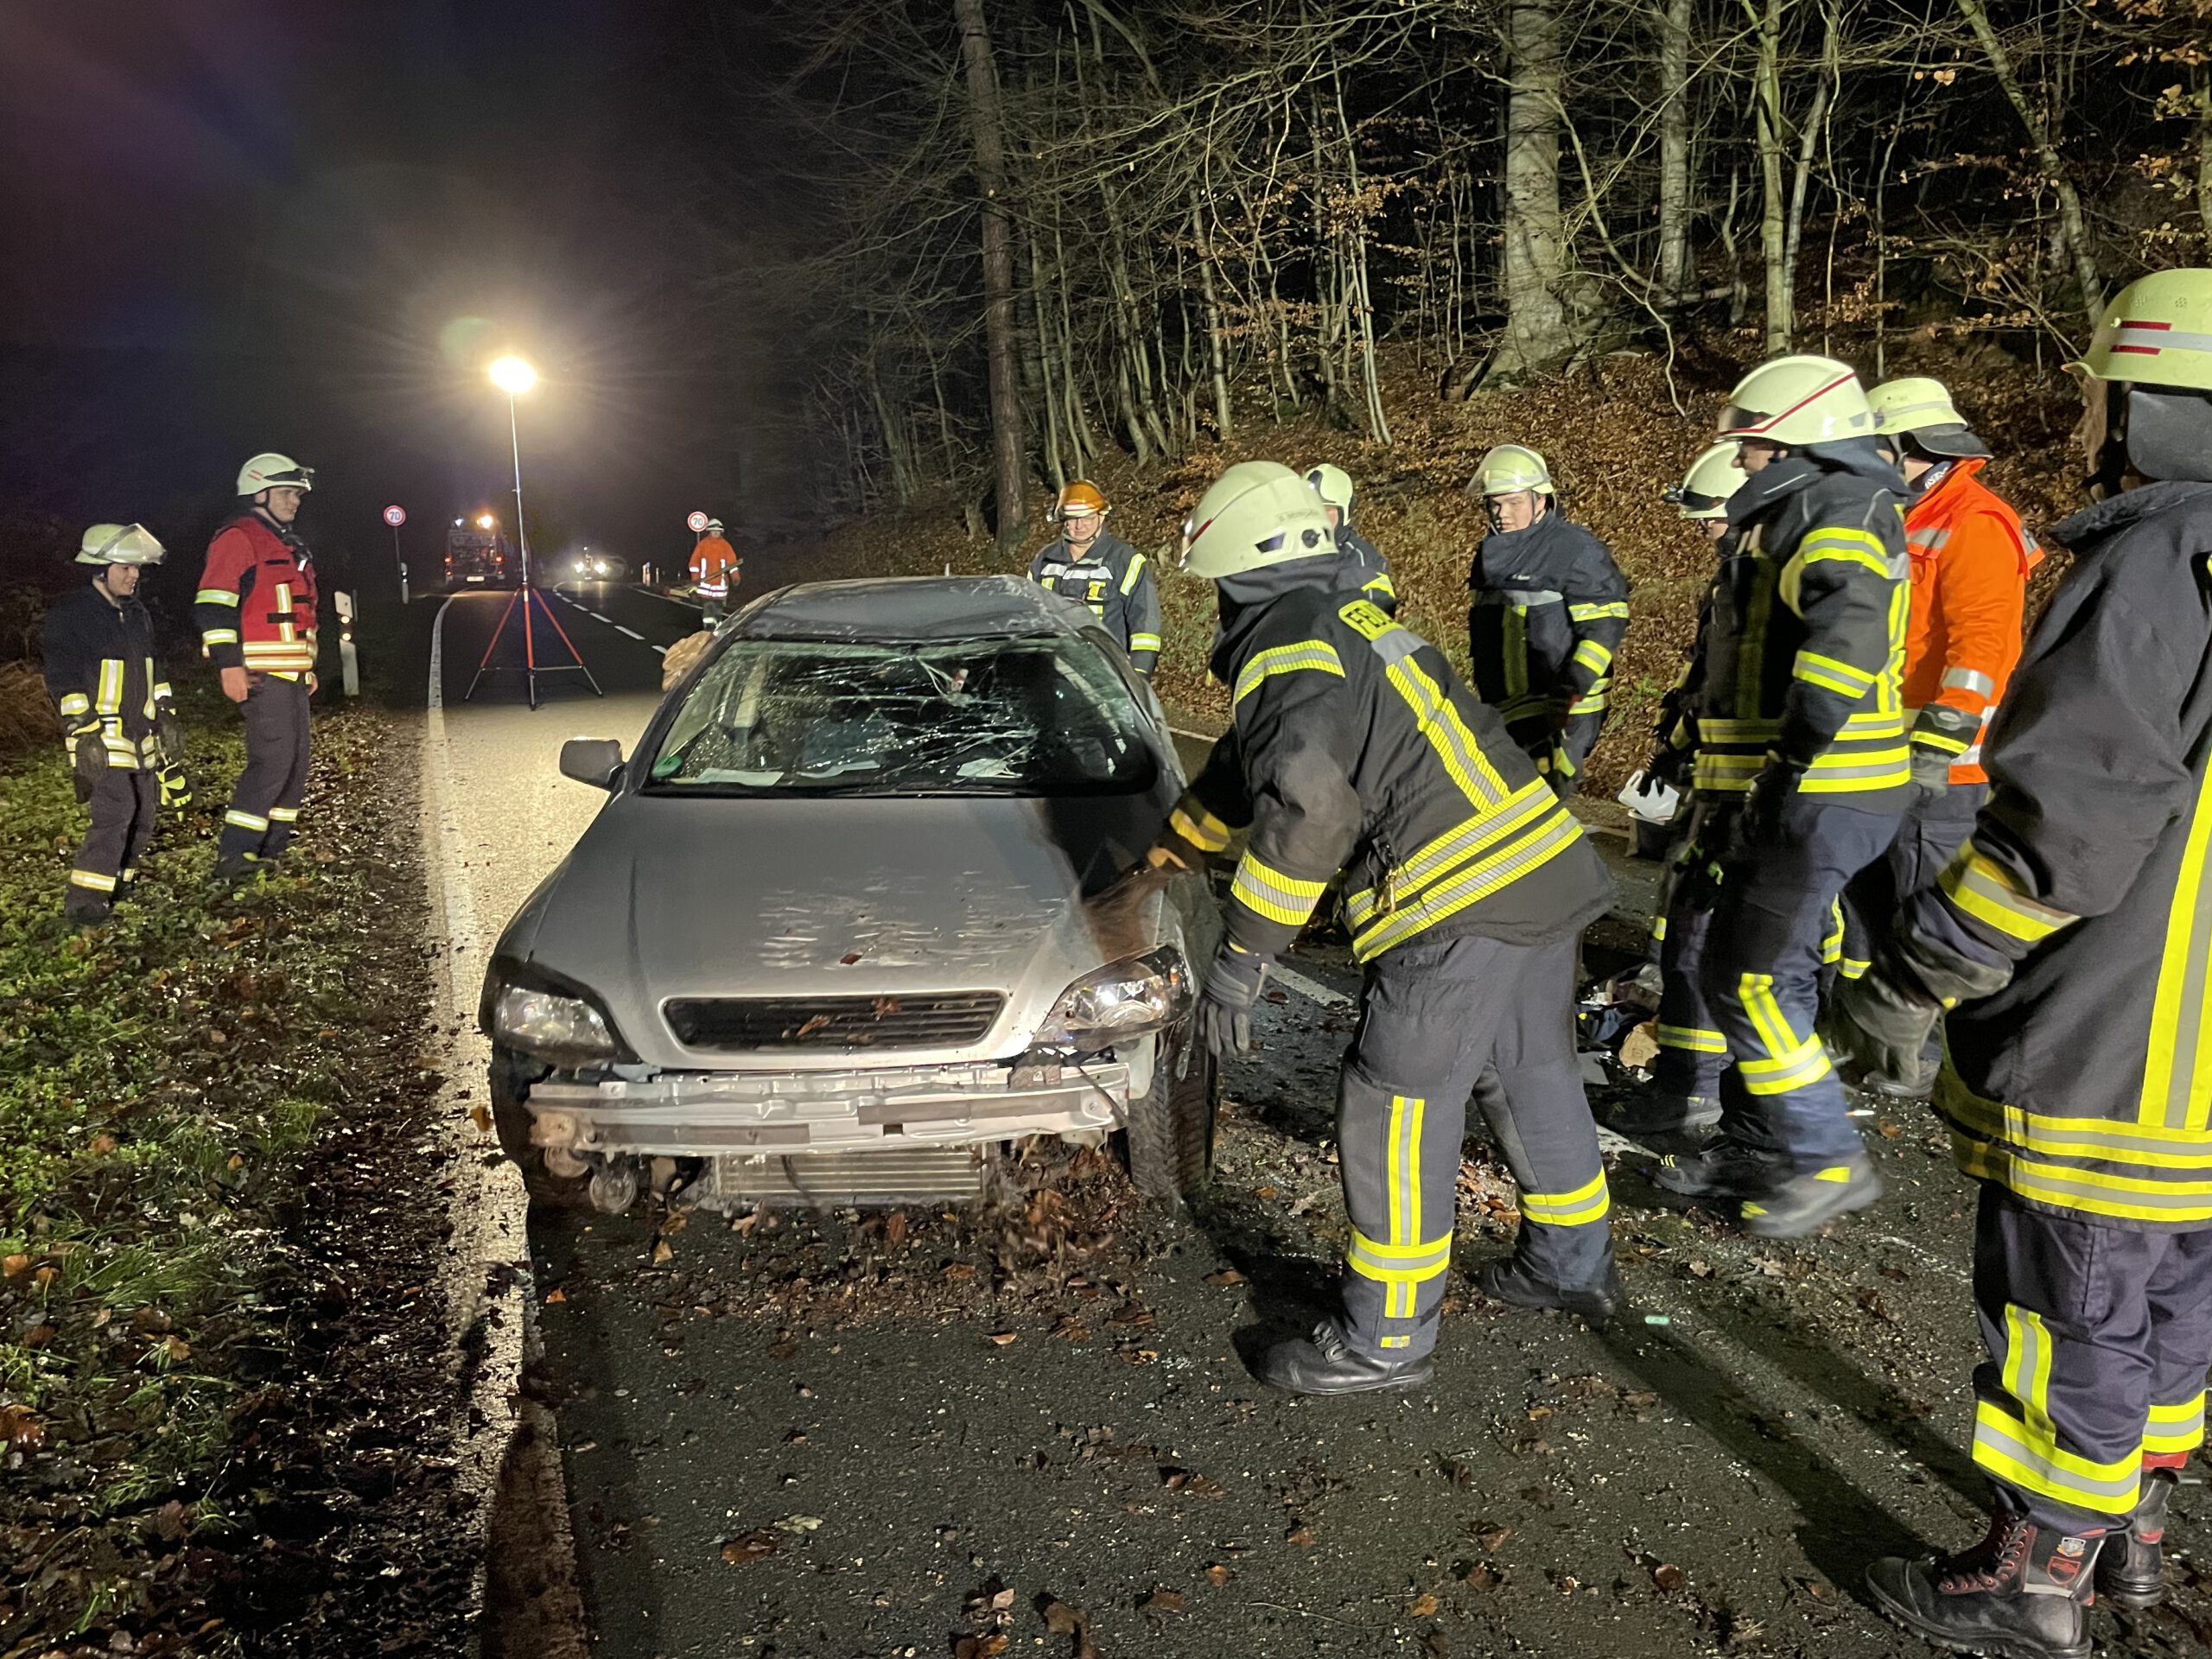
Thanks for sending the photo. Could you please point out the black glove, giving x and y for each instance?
(1879, 1025)
(1931, 772)
(1761, 822)
(1225, 1003)
(169, 732)
(88, 756)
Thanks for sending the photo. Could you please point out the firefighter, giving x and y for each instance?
(1683, 1097)
(1355, 749)
(1800, 775)
(256, 608)
(1334, 485)
(1549, 609)
(715, 569)
(2067, 937)
(1970, 564)
(1102, 574)
(124, 738)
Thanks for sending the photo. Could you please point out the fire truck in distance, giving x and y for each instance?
(478, 556)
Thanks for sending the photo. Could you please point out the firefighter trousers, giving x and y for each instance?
(1435, 1019)
(2098, 1338)
(122, 824)
(1929, 833)
(1763, 960)
(265, 805)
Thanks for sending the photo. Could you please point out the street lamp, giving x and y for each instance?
(511, 375)
(485, 522)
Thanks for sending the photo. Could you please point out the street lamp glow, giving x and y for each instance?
(511, 375)
(486, 522)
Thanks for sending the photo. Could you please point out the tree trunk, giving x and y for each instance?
(1538, 332)
(1216, 356)
(1808, 139)
(1674, 152)
(1009, 448)
(1774, 211)
(2073, 227)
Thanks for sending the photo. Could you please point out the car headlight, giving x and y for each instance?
(1123, 1001)
(565, 1030)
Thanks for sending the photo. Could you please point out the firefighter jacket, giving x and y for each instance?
(1355, 749)
(1374, 569)
(712, 564)
(256, 606)
(1549, 609)
(1970, 564)
(1674, 737)
(2084, 1085)
(100, 665)
(1113, 581)
(1805, 651)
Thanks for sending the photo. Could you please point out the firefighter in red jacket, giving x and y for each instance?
(256, 608)
(715, 569)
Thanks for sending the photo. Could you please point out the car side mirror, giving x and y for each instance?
(594, 761)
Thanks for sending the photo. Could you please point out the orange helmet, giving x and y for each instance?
(1079, 500)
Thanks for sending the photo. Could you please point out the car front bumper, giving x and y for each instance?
(714, 1114)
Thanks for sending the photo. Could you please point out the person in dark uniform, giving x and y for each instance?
(1334, 485)
(1356, 750)
(1549, 611)
(1107, 577)
(100, 669)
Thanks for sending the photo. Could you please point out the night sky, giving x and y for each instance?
(236, 225)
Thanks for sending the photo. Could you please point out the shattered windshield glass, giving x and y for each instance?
(1046, 717)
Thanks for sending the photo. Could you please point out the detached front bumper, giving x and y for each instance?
(714, 1114)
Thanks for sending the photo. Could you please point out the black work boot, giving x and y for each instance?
(1515, 1282)
(1724, 1169)
(1325, 1362)
(2023, 1592)
(2131, 1568)
(1801, 1204)
(1652, 1114)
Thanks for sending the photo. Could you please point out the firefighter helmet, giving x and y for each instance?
(713, 526)
(1333, 485)
(1798, 400)
(2155, 341)
(1705, 489)
(120, 545)
(1258, 513)
(1922, 408)
(1079, 498)
(1509, 468)
(270, 471)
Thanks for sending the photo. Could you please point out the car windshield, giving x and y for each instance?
(1042, 716)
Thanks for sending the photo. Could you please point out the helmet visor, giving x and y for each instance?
(289, 478)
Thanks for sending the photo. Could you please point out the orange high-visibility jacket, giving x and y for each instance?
(1970, 563)
(711, 562)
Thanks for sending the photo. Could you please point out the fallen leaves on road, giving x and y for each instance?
(1669, 1577)
(1183, 1480)
(1217, 1575)
(1227, 1276)
(1062, 1620)
(1162, 1601)
(1423, 1605)
(799, 1523)
(1001, 1338)
(751, 1547)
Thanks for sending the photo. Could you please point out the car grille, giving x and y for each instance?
(925, 1020)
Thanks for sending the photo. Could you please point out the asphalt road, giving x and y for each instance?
(855, 1435)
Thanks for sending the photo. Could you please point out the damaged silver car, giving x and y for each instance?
(857, 914)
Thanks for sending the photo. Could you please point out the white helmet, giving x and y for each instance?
(270, 471)
(1333, 485)
(1705, 489)
(1923, 407)
(713, 526)
(1511, 467)
(1258, 513)
(120, 545)
(1798, 400)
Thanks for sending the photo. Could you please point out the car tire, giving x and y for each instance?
(1167, 1143)
(511, 1075)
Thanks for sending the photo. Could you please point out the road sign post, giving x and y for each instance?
(395, 515)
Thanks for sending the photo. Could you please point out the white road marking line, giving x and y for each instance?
(660, 650)
(1312, 989)
(596, 617)
(632, 633)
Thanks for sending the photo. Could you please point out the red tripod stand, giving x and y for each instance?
(525, 597)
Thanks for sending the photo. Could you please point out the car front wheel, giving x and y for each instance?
(1168, 1141)
(511, 1075)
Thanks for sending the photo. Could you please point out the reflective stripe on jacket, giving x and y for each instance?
(1357, 750)
(712, 561)
(2085, 1085)
(256, 606)
(1970, 564)
(1113, 581)
(98, 659)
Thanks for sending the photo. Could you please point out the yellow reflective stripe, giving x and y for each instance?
(219, 637)
(215, 596)
(1316, 654)
(1594, 656)
(1129, 577)
(1941, 741)
(92, 879)
(2177, 1069)
(108, 697)
(1985, 890)
(2178, 1428)
(1588, 1203)
(1379, 583)
(1790, 1061)
(1447, 734)
(1591, 612)
(1397, 1264)
(1832, 946)
(1831, 674)
(244, 820)
(1270, 894)
(1860, 547)
(284, 815)
(1199, 826)
(1513, 649)
(1445, 854)
(2088, 1191)
(1693, 1038)
(76, 702)
(1144, 642)
(1552, 837)
(2022, 1447)
(1402, 1189)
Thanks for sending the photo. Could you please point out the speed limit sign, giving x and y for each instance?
(394, 516)
(697, 521)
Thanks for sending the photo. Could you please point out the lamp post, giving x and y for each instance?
(513, 376)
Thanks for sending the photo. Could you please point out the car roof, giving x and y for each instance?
(914, 608)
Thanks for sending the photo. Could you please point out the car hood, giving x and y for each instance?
(667, 898)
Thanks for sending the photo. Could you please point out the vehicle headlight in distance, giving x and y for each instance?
(1123, 1001)
(566, 1030)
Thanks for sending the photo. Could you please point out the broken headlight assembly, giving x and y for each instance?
(564, 1031)
(1125, 1000)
